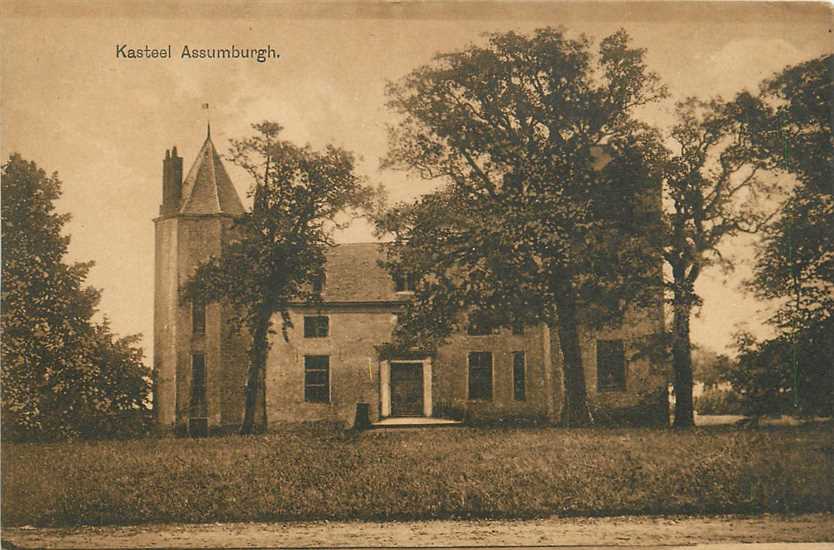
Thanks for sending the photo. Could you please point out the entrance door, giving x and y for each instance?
(406, 389)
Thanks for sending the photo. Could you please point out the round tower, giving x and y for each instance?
(199, 362)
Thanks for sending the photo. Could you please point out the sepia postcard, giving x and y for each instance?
(417, 274)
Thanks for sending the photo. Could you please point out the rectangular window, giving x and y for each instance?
(198, 386)
(405, 282)
(198, 317)
(518, 328)
(317, 378)
(479, 327)
(519, 376)
(480, 375)
(316, 326)
(611, 375)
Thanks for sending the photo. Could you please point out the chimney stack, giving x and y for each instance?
(171, 182)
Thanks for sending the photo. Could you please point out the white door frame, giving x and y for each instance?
(385, 385)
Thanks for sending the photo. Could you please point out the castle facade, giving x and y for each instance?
(330, 361)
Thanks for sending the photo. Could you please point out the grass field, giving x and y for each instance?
(316, 473)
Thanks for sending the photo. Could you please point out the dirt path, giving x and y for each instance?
(620, 531)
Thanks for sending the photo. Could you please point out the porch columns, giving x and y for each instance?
(385, 388)
(427, 410)
(547, 361)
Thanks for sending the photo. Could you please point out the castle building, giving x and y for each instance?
(330, 361)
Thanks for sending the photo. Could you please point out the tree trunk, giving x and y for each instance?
(682, 364)
(254, 412)
(575, 410)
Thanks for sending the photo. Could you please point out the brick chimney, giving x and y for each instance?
(171, 182)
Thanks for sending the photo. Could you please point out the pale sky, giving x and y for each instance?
(104, 123)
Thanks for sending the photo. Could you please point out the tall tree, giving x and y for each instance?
(711, 186)
(519, 131)
(62, 374)
(795, 258)
(300, 197)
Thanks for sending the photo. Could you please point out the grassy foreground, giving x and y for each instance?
(511, 473)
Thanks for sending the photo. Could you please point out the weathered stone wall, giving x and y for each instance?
(355, 369)
(182, 244)
(235, 361)
(199, 239)
(165, 322)
(234, 357)
(451, 374)
(354, 366)
(642, 377)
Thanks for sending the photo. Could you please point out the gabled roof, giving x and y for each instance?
(353, 274)
(207, 188)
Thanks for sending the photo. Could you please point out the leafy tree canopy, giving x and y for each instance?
(300, 197)
(794, 265)
(63, 374)
(795, 259)
(545, 194)
(793, 121)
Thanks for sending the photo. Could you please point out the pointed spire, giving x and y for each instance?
(208, 129)
(207, 188)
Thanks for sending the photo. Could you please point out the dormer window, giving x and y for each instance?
(318, 283)
(405, 282)
(478, 327)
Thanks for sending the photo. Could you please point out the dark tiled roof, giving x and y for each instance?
(353, 275)
(207, 188)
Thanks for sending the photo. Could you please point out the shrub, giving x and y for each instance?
(715, 401)
(787, 374)
(650, 408)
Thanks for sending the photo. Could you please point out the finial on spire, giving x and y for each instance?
(208, 121)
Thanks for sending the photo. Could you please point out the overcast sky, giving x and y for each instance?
(104, 123)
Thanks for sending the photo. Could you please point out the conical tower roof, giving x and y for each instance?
(207, 188)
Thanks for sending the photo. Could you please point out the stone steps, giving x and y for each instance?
(415, 422)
